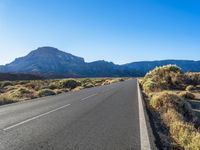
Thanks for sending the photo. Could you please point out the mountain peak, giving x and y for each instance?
(47, 50)
(45, 59)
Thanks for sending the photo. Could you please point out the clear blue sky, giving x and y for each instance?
(115, 30)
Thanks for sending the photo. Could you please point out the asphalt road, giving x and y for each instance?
(100, 118)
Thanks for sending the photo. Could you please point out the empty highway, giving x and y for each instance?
(100, 118)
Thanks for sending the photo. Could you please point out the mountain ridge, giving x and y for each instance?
(53, 63)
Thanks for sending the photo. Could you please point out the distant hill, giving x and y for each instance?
(50, 62)
(145, 66)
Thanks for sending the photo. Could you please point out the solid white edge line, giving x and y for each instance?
(36, 117)
(144, 137)
(88, 97)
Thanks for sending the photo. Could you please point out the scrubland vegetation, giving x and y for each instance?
(168, 91)
(14, 91)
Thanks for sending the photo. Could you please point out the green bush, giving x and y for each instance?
(46, 92)
(69, 83)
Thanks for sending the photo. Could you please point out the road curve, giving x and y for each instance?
(100, 118)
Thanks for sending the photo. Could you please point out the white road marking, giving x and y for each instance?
(36, 117)
(144, 137)
(88, 97)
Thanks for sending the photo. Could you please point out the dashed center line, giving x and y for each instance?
(36, 117)
(89, 97)
(44, 114)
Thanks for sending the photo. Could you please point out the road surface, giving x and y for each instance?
(100, 118)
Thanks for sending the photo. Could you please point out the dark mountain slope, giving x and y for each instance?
(19, 76)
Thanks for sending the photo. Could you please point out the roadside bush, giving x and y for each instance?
(53, 86)
(164, 78)
(105, 83)
(88, 85)
(121, 79)
(6, 83)
(22, 82)
(78, 88)
(174, 113)
(100, 81)
(185, 134)
(187, 95)
(5, 99)
(46, 92)
(189, 88)
(150, 86)
(69, 83)
(21, 91)
(58, 91)
(170, 116)
(166, 100)
(85, 81)
(193, 78)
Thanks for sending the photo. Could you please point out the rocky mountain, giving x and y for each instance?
(52, 63)
(44, 60)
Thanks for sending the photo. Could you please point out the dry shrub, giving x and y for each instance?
(164, 78)
(170, 116)
(185, 134)
(46, 92)
(150, 86)
(106, 82)
(53, 86)
(88, 85)
(189, 88)
(6, 99)
(58, 91)
(193, 78)
(12, 91)
(166, 100)
(187, 95)
(174, 112)
(6, 83)
(78, 88)
(69, 83)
